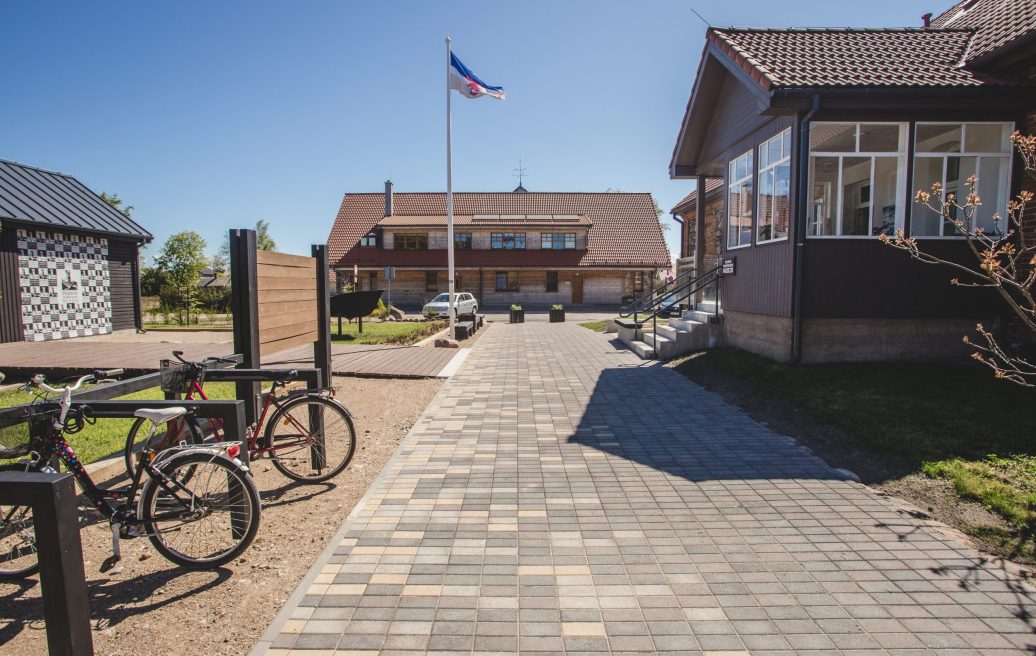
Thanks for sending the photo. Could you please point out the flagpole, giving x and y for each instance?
(449, 195)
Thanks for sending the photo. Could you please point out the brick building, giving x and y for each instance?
(531, 248)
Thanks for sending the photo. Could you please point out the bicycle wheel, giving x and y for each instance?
(17, 538)
(208, 517)
(140, 436)
(311, 439)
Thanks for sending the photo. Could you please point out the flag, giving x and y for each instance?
(467, 83)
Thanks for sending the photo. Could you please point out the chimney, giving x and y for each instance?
(388, 198)
(926, 20)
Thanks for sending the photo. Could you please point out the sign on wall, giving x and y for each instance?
(65, 286)
(728, 266)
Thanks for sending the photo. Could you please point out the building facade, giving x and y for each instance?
(527, 248)
(69, 262)
(818, 140)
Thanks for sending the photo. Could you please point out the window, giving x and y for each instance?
(431, 281)
(774, 187)
(372, 280)
(411, 241)
(552, 281)
(739, 201)
(506, 281)
(950, 153)
(856, 177)
(462, 241)
(558, 240)
(369, 239)
(507, 240)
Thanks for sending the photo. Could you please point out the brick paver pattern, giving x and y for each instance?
(560, 495)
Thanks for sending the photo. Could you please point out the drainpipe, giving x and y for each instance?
(676, 218)
(802, 211)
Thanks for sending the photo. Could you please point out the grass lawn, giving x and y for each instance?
(599, 326)
(950, 421)
(107, 436)
(385, 332)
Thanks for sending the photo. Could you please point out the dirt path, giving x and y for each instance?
(148, 606)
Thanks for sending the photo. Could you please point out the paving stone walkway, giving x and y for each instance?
(560, 495)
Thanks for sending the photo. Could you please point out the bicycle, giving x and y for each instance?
(197, 504)
(309, 437)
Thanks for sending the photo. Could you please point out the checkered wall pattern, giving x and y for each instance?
(65, 285)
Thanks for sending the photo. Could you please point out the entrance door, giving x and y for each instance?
(577, 289)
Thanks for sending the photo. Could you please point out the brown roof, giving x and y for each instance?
(997, 23)
(839, 58)
(712, 188)
(625, 230)
(487, 221)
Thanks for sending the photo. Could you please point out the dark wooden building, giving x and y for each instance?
(818, 140)
(69, 262)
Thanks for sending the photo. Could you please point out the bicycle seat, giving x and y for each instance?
(160, 415)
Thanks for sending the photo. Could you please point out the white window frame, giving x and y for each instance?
(731, 182)
(901, 171)
(1005, 182)
(770, 166)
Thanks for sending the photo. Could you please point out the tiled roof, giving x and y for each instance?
(625, 230)
(493, 220)
(56, 200)
(997, 23)
(841, 58)
(712, 187)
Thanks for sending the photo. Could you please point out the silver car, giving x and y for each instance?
(439, 306)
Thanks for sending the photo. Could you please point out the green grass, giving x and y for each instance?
(941, 419)
(108, 436)
(596, 326)
(386, 332)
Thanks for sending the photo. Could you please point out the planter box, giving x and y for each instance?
(557, 316)
(517, 316)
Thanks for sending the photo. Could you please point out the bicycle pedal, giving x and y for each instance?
(109, 563)
(130, 532)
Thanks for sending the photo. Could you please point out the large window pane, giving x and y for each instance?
(856, 195)
(986, 138)
(938, 138)
(886, 195)
(880, 138)
(739, 202)
(832, 137)
(958, 170)
(781, 200)
(991, 185)
(766, 205)
(823, 181)
(923, 221)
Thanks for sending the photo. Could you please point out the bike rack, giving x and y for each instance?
(66, 604)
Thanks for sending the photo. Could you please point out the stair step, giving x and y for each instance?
(668, 331)
(644, 351)
(651, 338)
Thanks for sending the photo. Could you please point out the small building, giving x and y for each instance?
(815, 142)
(530, 248)
(69, 262)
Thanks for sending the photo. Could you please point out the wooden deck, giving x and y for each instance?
(27, 358)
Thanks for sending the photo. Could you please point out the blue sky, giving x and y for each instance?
(209, 115)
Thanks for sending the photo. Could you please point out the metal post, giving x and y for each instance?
(449, 195)
(699, 237)
(322, 347)
(66, 605)
(244, 304)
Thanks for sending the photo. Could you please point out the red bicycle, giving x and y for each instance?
(309, 436)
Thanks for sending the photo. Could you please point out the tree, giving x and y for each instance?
(1006, 262)
(218, 263)
(117, 202)
(180, 263)
(263, 240)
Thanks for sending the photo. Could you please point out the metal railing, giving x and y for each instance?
(672, 292)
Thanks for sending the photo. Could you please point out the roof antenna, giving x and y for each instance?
(520, 173)
(700, 17)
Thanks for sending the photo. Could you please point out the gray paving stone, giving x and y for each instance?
(561, 496)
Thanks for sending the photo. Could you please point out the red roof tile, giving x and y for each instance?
(712, 188)
(997, 23)
(800, 57)
(625, 230)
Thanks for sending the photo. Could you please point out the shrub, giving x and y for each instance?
(214, 299)
(557, 306)
(381, 311)
(516, 308)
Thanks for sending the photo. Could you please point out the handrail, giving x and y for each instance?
(650, 303)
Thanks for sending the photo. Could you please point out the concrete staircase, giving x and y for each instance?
(695, 330)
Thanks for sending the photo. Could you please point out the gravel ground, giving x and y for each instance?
(147, 605)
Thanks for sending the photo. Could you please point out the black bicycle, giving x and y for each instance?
(197, 504)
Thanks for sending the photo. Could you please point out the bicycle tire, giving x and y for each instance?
(284, 457)
(129, 454)
(197, 469)
(15, 535)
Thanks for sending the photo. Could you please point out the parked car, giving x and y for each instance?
(439, 306)
(670, 304)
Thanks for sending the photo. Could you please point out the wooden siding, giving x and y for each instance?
(123, 284)
(763, 282)
(735, 114)
(855, 278)
(287, 293)
(11, 303)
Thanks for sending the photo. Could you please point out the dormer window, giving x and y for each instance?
(369, 239)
